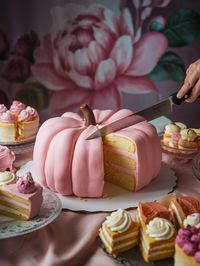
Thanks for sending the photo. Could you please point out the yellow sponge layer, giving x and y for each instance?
(116, 177)
(120, 143)
(118, 159)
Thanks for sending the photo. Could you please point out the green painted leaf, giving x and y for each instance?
(170, 67)
(35, 95)
(182, 27)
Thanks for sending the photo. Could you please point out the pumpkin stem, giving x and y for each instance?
(88, 115)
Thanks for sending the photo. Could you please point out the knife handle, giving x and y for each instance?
(178, 101)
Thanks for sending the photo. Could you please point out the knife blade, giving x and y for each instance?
(164, 107)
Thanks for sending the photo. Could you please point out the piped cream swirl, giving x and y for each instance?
(192, 220)
(119, 221)
(6, 177)
(160, 229)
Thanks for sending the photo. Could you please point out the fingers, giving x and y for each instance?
(192, 80)
(195, 93)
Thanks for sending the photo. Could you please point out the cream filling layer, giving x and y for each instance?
(11, 210)
(173, 206)
(119, 246)
(14, 202)
(155, 249)
(110, 240)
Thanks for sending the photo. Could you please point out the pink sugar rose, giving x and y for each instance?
(92, 56)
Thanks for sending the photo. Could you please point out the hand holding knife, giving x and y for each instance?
(162, 108)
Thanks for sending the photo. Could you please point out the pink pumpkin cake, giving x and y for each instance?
(7, 157)
(66, 162)
(21, 199)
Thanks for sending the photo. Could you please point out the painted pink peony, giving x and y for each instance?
(92, 56)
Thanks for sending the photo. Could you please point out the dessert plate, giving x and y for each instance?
(115, 197)
(49, 211)
(180, 154)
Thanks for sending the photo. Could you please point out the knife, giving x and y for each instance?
(162, 108)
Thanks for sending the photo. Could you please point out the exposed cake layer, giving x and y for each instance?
(8, 131)
(115, 243)
(128, 153)
(27, 129)
(18, 205)
(155, 250)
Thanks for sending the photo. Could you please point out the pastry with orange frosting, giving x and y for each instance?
(119, 232)
(18, 123)
(21, 199)
(184, 206)
(157, 233)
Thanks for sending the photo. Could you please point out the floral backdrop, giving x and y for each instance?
(102, 54)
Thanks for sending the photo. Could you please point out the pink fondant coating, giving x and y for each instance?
(35, 199)
(7, 157)
(67, 163)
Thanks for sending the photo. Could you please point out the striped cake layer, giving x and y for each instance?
(119, 161)
(156, 249)
(181, 259)
(17, 205)
(132, 153)
(115, 242)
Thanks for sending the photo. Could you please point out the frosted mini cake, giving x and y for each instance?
(21, 199)
(20, 122)
(119, 232)
(157, 231)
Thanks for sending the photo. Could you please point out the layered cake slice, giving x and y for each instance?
(184, 206)
(22, 199)
(157, 233)
(8, 127)
(187, 247)
(128, 156)
(119, 232)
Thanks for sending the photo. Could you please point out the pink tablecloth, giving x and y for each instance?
(72, 238)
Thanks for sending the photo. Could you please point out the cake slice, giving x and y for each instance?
(21, 200)
(157, 233)
(8, 127)
(184, 206)
(187, 247)
(119, 232)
